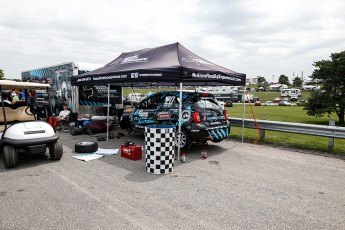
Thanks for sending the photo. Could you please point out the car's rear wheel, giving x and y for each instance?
(56, 151)
(185, 141)
(10, 156)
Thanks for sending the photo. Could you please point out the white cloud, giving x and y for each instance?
(262, 37)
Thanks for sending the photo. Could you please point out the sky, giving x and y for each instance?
(256, 37)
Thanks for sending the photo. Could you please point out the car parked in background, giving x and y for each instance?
(293, 98)
(276, 100)
(254, 99)
(228, 103)
(269, 103)
(284, 103)
(301, 103)
(258, 103)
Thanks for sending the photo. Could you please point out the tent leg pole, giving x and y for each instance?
(243, 110)
(179, 123)
(108, 112)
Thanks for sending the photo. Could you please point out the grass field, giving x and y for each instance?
(287, 114)
(277, 113)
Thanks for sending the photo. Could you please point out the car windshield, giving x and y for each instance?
(206, 103)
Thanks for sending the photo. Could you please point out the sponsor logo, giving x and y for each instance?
(150, 74)
(144, 114)
(214, 118)
(197, 61)
(214, 76)
(186, 114)
(134, 75)
(134, 59)
(163, 115)
(84, 79)
(109, 77)
(195, 131)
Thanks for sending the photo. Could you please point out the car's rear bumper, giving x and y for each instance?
(210, 133)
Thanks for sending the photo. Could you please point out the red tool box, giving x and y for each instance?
(131, 151)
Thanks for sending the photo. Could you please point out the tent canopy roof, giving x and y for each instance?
(164, 65)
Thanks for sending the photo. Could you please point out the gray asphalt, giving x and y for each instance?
(239, 186)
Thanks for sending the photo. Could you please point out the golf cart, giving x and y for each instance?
(22, 131)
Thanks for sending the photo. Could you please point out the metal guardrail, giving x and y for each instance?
(316, 130)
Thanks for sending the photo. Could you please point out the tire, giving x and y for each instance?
(56, 151)
(89, 131)
(186, 142)
(10, 156)
(86, 147)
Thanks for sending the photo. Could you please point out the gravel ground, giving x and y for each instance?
(239, 186)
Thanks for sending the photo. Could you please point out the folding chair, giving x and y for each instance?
(69, 123)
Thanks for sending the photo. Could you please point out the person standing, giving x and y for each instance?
(21, 95)
(32, 96)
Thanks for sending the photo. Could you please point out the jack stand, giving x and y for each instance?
(204, 150)
(183, 156)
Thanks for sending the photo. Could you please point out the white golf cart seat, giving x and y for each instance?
(14, 115)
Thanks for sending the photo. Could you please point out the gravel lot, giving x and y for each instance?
(239, 186)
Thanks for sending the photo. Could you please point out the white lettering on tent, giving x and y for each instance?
(150, 74)
(133, 59)
(197, 61)
(215, 76)
(134, 75)
(84, 79)
(109, 77)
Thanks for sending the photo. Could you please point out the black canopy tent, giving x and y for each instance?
(169, 64)
(165, 65)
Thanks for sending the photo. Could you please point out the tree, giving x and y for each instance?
(330, 74)
(262, 81)
(2, 75)
(297, 82)
(283, 80)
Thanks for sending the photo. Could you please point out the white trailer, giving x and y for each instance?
(290, 92)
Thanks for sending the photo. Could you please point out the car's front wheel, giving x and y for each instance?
(185, 141)
(56, 151)
(10, 156)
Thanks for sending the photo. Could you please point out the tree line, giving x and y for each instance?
(283, 79)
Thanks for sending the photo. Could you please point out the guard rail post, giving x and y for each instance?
(262, 134)
(331, 139)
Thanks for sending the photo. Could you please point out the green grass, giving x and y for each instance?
(286, 114)
(276, 113)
